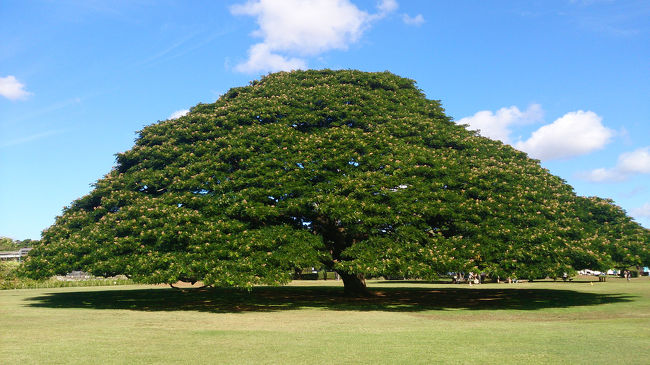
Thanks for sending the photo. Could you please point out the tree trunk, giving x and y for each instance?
(354, 285)
(336, 242)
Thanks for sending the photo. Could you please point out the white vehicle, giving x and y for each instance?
(589, 272)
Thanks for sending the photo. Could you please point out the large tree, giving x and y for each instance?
(358, 172)
(610, 230)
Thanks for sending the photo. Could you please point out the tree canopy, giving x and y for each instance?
(357, 172)
(625, 242)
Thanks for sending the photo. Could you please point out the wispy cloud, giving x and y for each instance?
(589, 2)
(415, 20)
(386, 7)
(44, 111)
(292, 30)
(629, 164)
(634, 192)
(165, 53)
(13, 89)
(642, 211)
(613, 18)
(30, 138)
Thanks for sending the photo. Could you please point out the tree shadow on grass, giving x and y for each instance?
(400, 299)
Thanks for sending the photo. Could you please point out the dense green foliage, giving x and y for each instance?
(610, 230)
(357, 172)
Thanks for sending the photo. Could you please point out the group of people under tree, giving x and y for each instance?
(471, 278)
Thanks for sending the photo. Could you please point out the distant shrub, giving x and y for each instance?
(9, 279)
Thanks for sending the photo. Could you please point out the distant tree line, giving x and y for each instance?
(8, 244)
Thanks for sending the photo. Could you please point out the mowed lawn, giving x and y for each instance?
(313, 323)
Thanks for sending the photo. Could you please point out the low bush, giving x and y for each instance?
(9, 279)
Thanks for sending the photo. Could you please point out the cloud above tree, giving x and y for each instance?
(292, 30)
(574, 134)
(628, 164)
(179, 113)
(498, 125)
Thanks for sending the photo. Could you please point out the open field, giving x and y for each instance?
(537, 323)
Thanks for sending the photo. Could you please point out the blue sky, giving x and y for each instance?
(566, 81)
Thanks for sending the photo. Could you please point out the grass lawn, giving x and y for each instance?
(313, 323)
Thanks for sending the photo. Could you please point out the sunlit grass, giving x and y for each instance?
(542, 322)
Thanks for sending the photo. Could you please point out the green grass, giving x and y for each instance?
(410, 323)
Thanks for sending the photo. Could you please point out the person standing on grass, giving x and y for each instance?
(627, 275)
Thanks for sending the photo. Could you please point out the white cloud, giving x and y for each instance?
(294, 29)
(498, 125)
(261, 58)
(179, 113)
(416, 20)
(387, 6)
(574, 134)
(642, 211)
(637, 161)
(12, 89)
(628, 164)
(601, 175)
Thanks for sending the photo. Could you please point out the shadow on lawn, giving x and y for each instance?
(221, 300)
